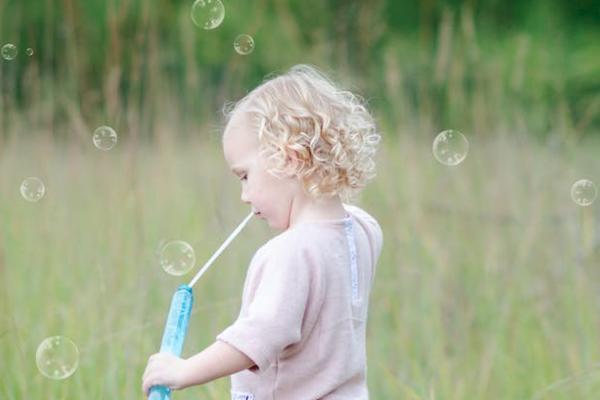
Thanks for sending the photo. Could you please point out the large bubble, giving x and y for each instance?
(57, 357)
(9, 51)
(583, 192)
(177, 257)
(244, 44)
(208, 14)
(32, 189)
(105, 138)
(450, 147)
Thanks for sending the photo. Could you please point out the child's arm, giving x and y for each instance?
(216, 361)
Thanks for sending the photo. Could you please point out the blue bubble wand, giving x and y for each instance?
(179, 315)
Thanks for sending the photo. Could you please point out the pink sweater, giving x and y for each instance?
(304, 312)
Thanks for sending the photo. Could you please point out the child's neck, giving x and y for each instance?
(317, 210)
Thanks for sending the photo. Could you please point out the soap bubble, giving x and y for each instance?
(450, 147)
(244, 44)
(57, 357)
(9, 51)
(29, 51)
(583, 192)
(32, 189)
(105, 138)
(208, 14)
(177, 257)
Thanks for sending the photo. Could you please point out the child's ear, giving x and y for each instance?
(295, 158)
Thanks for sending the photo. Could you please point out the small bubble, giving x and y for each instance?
(9, 51)
(29, 51)
(32, 189)
(584, 192)
(208, 14)
(244, 44)
(177, 257)
(105, 138)
(450, 147)
(57, 357)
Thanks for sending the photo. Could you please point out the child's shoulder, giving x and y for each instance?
(289, 247)
(364, 217)
(297, 238)
(360, 213)
(302, 239)
(314, 237)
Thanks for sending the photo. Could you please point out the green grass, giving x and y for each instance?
(487, 286)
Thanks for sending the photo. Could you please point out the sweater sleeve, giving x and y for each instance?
(274, 313)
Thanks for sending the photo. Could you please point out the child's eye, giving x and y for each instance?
(243, 178)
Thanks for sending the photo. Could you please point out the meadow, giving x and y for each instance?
(488, 282)
(487, 286)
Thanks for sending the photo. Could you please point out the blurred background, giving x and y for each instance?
(528, 67)
(488, 283)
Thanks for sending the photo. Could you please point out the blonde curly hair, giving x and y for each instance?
(311, 129)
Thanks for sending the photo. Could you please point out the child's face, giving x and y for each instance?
(268, 195)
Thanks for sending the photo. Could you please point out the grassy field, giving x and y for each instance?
(487, 287)
(488, 283)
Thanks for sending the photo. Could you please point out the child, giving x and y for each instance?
(299, 145)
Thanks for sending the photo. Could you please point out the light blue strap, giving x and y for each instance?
(353, 261)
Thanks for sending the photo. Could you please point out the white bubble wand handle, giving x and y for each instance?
(179, 315)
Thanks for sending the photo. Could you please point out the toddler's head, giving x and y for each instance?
(299, 139)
